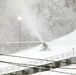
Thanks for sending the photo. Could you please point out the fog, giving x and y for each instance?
(42, 20)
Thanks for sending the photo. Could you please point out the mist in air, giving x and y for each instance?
(29, 21)
(41, 20)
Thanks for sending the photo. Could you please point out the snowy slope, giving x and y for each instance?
(57, 47)
(68, 39)
(57, 70)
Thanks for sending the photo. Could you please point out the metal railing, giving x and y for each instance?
(63, 56)
(40, 62)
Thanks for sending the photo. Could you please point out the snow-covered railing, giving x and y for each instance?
(63, 56)
(55, 58)
(39, 62)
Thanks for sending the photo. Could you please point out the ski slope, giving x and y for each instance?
(57, 47)
(58, 70)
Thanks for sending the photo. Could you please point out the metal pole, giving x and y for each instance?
(19, 19)
(20, 35)
(4, 47)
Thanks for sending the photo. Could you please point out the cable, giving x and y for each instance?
(18, 64)
(68, 68)
(62, 72)
(12, 63)
(25, 57)
(31, 42)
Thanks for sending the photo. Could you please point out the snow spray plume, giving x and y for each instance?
(29, 19)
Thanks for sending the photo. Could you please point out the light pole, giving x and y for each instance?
(19, 19)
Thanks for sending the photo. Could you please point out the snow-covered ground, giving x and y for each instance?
(57, 47)
(60, 71)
